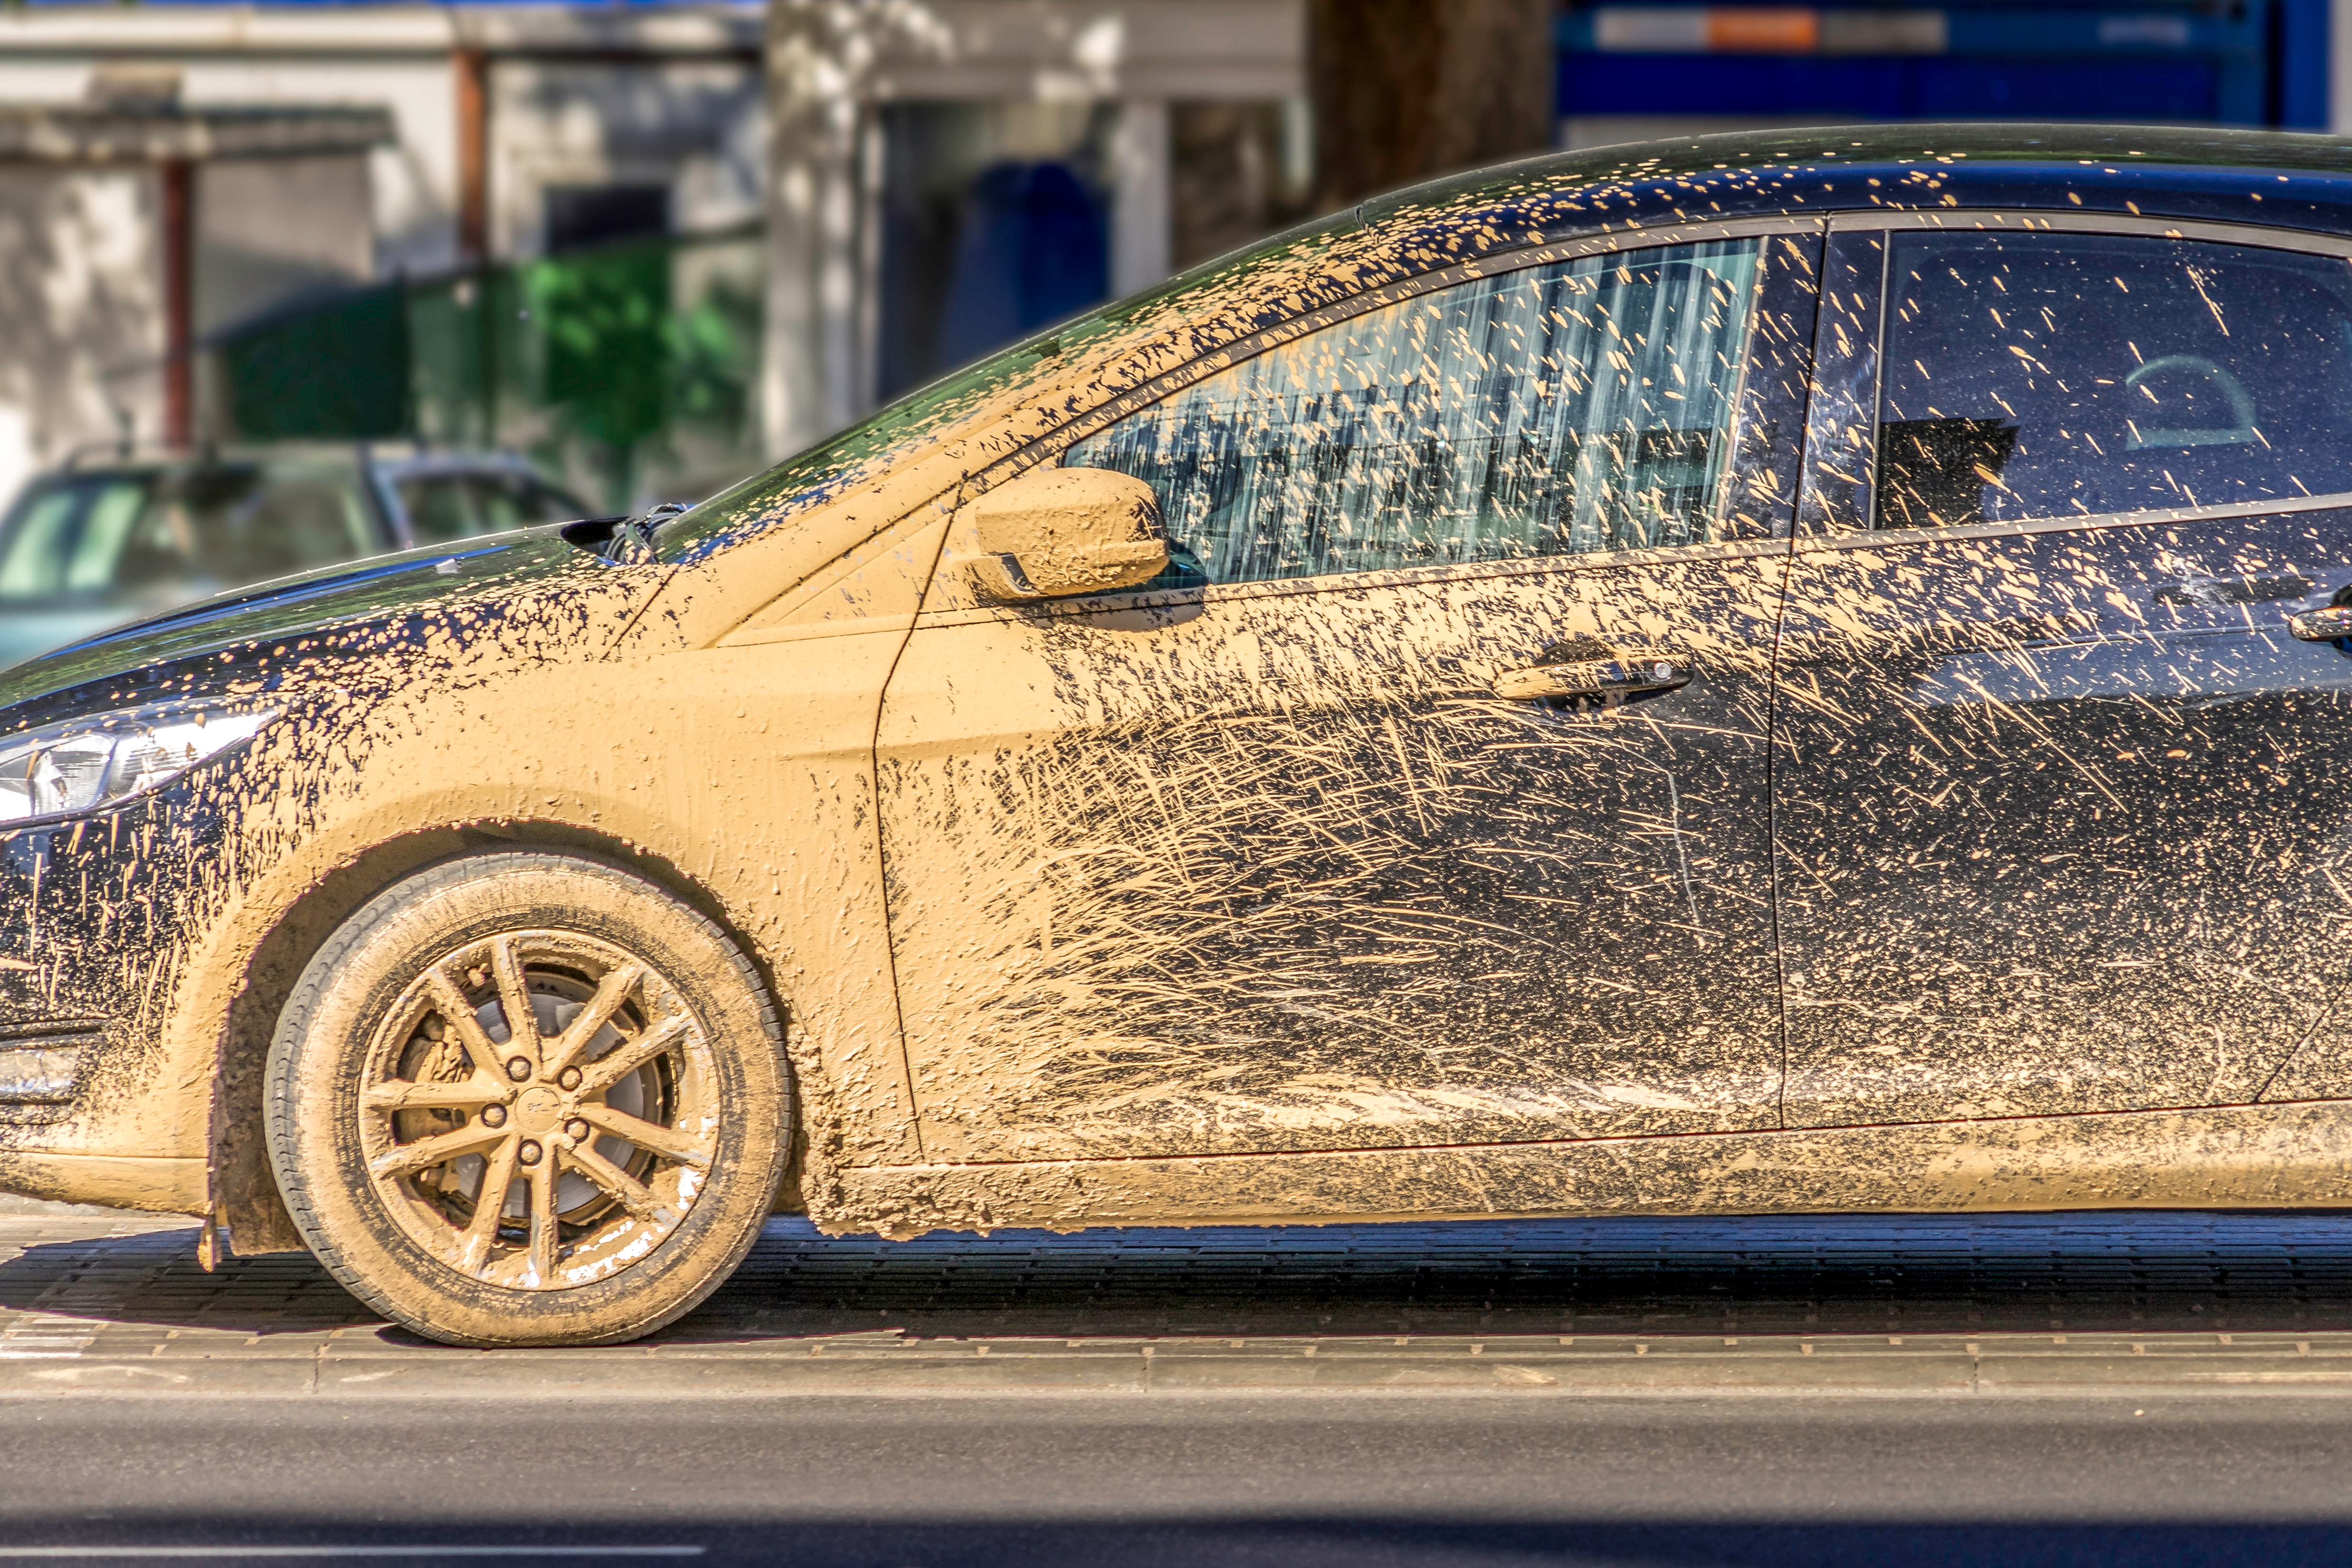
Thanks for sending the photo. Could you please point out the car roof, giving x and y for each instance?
(2279, 179)
(2026, 154)
(2264, 178)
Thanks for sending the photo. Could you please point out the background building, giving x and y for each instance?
(1631, 71)
(129, 224)
(564, 243)
(656, 245)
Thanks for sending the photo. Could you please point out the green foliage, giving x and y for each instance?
(606, 364)
(604, 319)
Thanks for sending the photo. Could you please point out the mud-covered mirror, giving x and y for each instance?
(1054, 532)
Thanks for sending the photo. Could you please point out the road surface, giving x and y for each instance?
(2109, 1388)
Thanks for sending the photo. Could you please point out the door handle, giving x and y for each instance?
(1588, 683)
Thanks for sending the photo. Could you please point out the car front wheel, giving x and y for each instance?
(529, 1098)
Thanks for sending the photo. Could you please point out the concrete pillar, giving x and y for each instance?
(177, 247)
(817, 52)
(1141, 213)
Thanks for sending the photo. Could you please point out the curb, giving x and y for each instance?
(888, 1364)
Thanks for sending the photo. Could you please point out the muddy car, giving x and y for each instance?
(1778, 673)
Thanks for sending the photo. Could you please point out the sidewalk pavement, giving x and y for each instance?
(112, 1303)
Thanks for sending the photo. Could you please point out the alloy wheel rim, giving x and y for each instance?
(540, 1110)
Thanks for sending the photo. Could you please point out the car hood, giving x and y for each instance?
(524, 597)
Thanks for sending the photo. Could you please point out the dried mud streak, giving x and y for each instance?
(1281, 874)
(2175, 922)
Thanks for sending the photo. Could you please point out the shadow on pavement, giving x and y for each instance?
(2118, 1272)
(1276, 1541)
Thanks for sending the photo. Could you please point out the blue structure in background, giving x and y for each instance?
(1034, 246)
(2240, 62)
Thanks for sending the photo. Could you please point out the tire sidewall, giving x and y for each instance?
(320, 1055)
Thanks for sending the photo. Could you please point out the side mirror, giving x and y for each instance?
(1068, 531)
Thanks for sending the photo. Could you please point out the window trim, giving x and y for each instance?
(1607, 243)
(1813, 506)
(2032, 221)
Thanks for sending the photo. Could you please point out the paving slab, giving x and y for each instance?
(97, 1302)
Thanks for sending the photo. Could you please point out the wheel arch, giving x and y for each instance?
(245, 1204)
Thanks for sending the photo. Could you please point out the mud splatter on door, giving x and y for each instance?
(1265, 859)
(2060, 814)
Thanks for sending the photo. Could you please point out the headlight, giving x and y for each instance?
(82, 765)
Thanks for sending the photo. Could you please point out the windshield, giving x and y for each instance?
(186, 531)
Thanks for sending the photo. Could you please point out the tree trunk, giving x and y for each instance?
(1410, 89)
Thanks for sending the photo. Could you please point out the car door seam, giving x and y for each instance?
(881, 840)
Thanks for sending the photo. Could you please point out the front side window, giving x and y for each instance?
(512, 500)
(235, 525)
(2044, 375)
(1585, 405)
(445, 507)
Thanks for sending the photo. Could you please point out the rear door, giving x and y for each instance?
(2060, 822)
(1262, 859)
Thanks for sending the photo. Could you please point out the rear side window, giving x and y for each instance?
(1585, 405)
(445, 507)
(2040, 375)
(440, 508)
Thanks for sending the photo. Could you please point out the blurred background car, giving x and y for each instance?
(111, 539)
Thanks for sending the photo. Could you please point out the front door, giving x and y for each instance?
(2061, 817)
(1261, 859)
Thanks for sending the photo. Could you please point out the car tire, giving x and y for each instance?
(634, 1133)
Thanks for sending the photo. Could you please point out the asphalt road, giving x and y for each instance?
(1042, 1481)
(2141, 1389)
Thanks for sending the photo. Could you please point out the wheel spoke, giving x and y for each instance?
(632, 1054)
(399, 1094)
(543, 1239)
(667, 1142)
(458, 1013)
(610, 992)
(488, 1199)
(634, 1195)
(514, 1000)
(427, 1152)
(489, 1203)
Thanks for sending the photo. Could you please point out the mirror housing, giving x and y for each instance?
(1053, 531)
